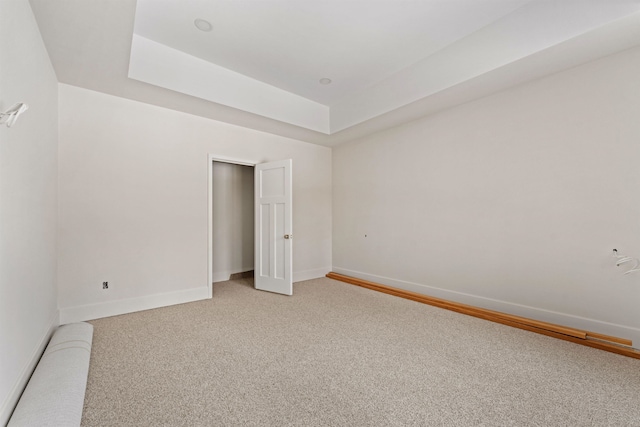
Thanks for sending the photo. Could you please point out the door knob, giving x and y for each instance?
(288, 236)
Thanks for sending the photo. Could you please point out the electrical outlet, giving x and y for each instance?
(105, 285)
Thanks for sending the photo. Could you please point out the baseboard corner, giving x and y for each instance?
(301, 276)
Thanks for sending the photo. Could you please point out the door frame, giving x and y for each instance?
(215, 158)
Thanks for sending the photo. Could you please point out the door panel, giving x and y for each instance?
(273, 203)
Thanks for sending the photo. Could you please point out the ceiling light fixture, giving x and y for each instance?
(203, 25)
(325, 81)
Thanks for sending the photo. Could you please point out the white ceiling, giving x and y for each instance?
(390, 60)
(292, 44)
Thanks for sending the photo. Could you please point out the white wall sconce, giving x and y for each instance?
(621, 259)
(10, 116)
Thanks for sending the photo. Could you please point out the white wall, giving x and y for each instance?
(28, 169)
(133, 188)
(512, 202)
(233, 220)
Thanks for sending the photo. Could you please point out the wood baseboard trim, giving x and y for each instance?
(590, 339)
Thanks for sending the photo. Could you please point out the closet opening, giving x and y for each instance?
(232, 222)
(251, 223)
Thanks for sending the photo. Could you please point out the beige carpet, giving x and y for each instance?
(334, 354)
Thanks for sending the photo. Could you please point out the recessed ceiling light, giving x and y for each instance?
(203, 25)
(325, 81)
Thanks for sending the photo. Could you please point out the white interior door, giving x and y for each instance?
(273, 230)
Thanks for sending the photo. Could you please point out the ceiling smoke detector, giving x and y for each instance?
(203, 25)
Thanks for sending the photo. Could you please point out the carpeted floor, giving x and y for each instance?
(334, 354)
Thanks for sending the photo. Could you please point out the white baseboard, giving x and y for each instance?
(298, 276)
(130, 305)
(301, 276)
(223, 276)
(12, 399)
(583, 323)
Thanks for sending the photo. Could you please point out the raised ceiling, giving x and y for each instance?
(390, 61)
(292, 44)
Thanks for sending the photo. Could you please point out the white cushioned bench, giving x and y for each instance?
(54, 395)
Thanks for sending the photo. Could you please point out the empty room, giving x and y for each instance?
(314, 213)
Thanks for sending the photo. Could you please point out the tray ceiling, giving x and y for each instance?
(260, 65)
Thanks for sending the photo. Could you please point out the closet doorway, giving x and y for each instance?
(241, 194)
(232, 193)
